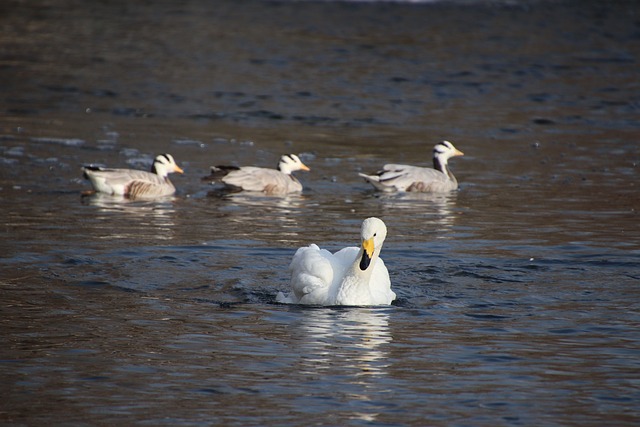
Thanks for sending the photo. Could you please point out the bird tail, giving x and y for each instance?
(219, 172)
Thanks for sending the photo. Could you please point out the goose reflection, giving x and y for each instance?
(351, 345)
(121, 217)
(250, 212)
(436, 209)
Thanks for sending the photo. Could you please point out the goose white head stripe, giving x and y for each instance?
(165, 164)
(446, 150)
(291, 163)
(442, 152)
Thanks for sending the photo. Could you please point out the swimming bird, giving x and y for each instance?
(351, 276)
(135, 183)
(268, 181)
(394, 177)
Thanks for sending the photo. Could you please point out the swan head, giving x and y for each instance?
(291, 163)
(372, 234)
(444, 150)
(164, 164)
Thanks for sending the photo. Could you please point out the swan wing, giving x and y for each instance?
(312, 274)
(316, 275)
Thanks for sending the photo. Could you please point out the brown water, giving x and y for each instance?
(518, 297)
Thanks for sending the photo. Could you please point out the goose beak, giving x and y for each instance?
(178, 169)
(367, 253)
(304, 167)
(458, 153)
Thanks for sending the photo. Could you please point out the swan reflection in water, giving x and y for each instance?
(347, 345)
(120, 217)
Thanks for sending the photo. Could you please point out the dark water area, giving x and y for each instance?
(518, 295)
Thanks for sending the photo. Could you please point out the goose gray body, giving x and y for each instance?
(397, 177)
(264, 180)
(135, 183)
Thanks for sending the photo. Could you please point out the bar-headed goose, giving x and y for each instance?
(440, 179)
(264, 180)
(133, 183)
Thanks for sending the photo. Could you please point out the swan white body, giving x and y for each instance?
(351, 276)
(395, 177)
(135, 183)
(264, 180)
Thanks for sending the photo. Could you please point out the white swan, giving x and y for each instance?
(351, 276)
(135, 183)
(394, 177)
(256, 179)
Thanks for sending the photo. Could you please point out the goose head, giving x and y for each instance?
(444, 150)
(164, 164)
(372, 235)
(291, 163)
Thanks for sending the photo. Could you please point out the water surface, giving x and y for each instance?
(517, 295)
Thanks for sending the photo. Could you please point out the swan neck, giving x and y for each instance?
(354, 289)
(362, 275)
